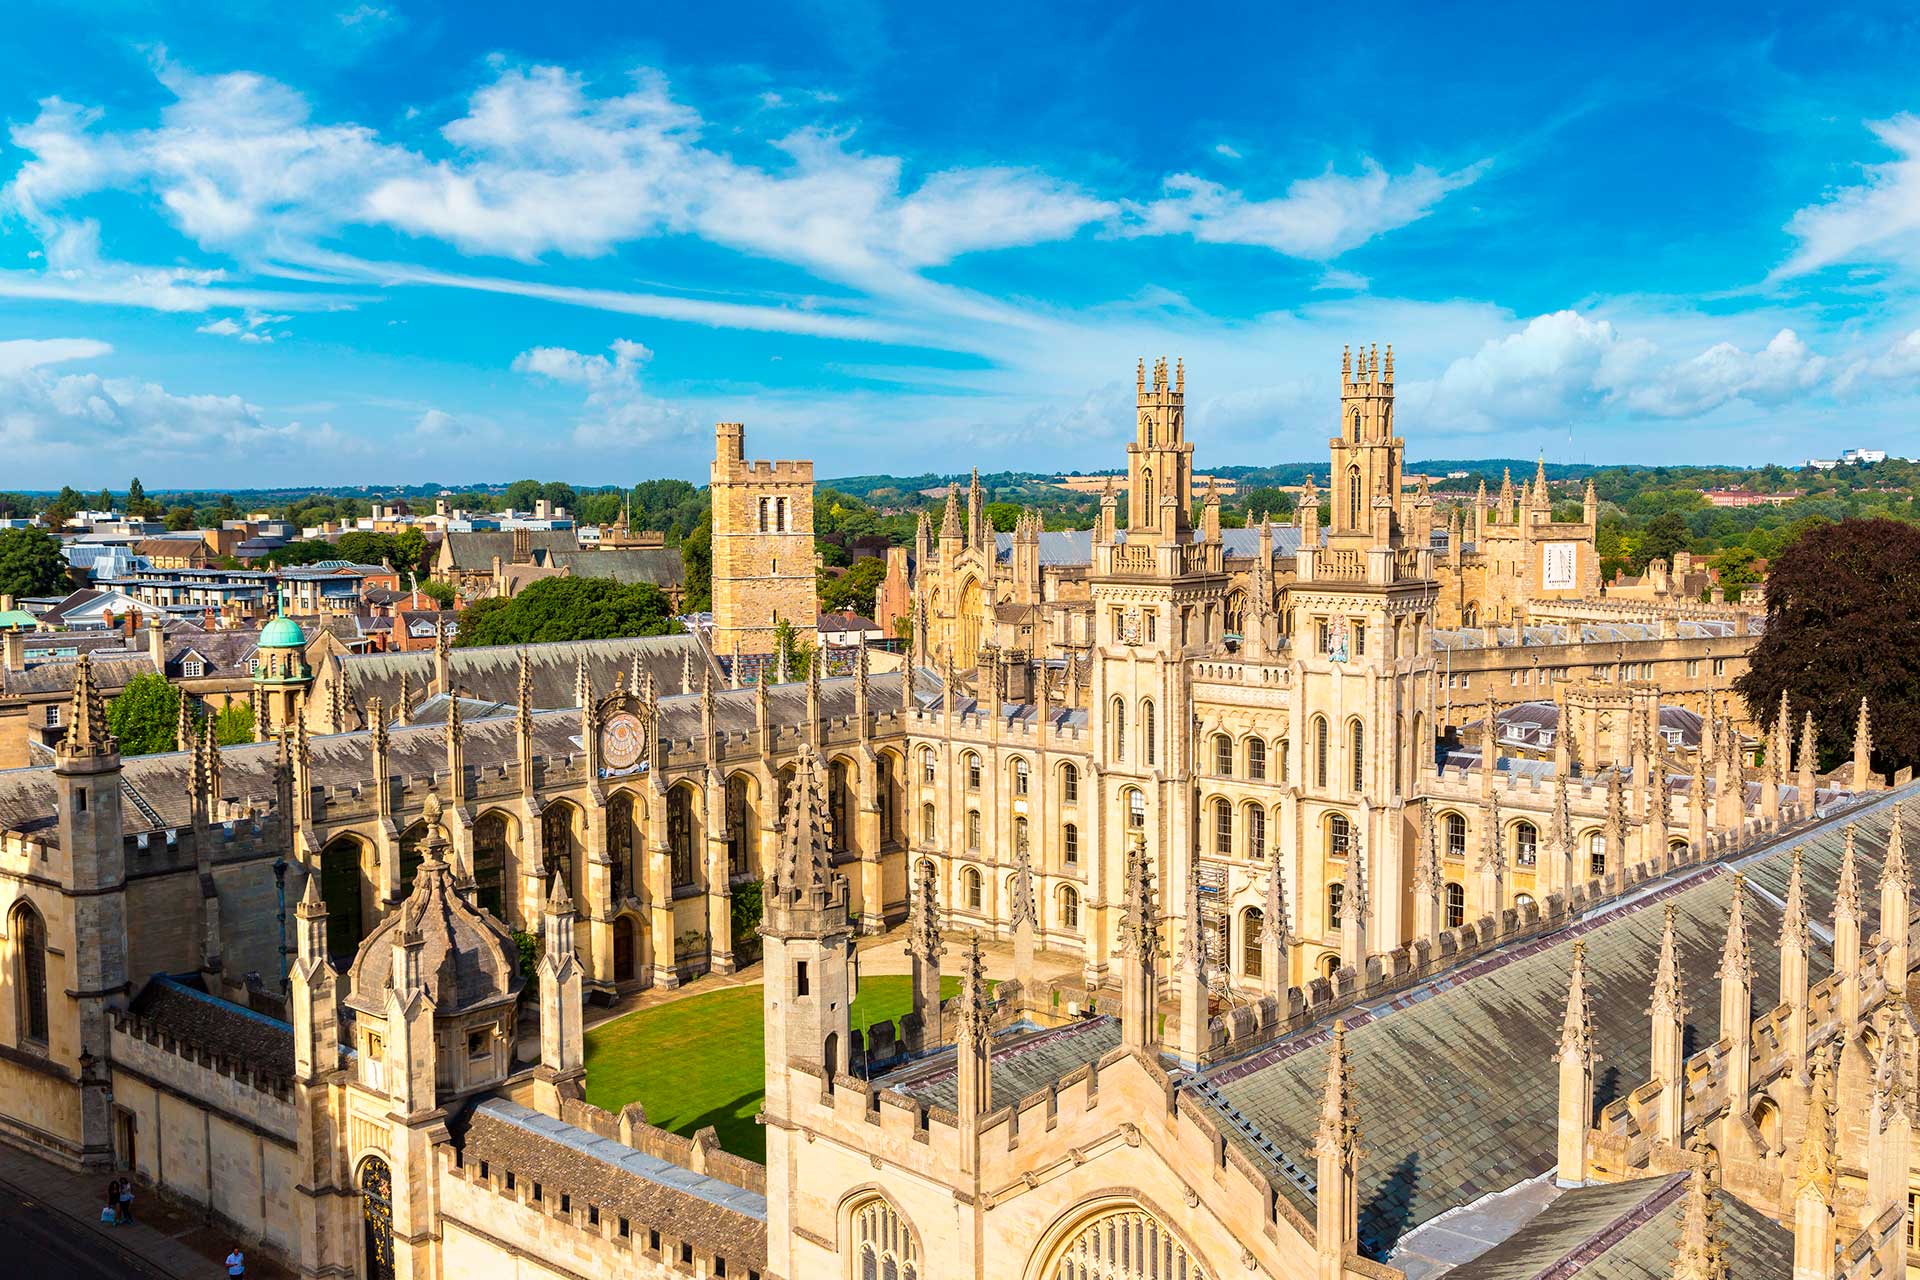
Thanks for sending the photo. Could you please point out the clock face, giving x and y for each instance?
(622, 740)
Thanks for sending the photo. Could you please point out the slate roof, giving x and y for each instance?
(1630, 1231)
(467, 955)
(190, 1014)
(1534, 724)
(1024, 1061)
(57, 676)
(653, 566)
(1584, 633)
(1456, 1080)
(491, 673)
(474, 552)
(716, 1217)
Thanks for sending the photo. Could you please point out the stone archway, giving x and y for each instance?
(376, 1213)
(1121, 1240)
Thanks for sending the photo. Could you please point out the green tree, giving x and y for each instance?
(522, 494)
(1843, 623)
(1736, 568)
(568, 609)
(1665, 535)
(854, 590)
(367, 548)
(234, 724)
(1267, 500)
(136, 500)
(559, 493)
(145, 715)
(1002, 515)
(307, 551)
(441, 593)
(31, 563)
(789, 643)
(410, 550)
(181, 519)
(696, 560)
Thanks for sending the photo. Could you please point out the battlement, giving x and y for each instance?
(1368, 376)
(1161, 390)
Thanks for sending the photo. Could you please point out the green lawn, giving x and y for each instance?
(701, 1061)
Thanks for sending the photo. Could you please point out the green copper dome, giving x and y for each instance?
(283, 633)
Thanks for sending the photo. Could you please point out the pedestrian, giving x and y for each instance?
(236, 1264)
(113, 1203)
(126, 1199)
(110, 1214)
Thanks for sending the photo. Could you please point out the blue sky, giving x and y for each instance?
(364, 242)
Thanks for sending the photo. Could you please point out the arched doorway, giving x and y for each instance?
(340, 888)
(624, 949)
(376, 1211)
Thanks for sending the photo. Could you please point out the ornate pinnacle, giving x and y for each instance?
(974, 1016)
(1794, 931)
(1846, 895)
(1192, 953)
(1339, 1132)
(805, 862)
(1669, 1002)
(1702, 1253)
(1020, 907)
(523, 689)
(950, 520)
(86, 733)
(1274, 924)
(923, 925)
(1576, 1030)
(1816, 1146)
(1426, 856)
(1895, 871)
(1139, 923)
(1736, 962)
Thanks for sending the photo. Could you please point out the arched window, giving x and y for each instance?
(1146, 496)
(620, 843)
(740, 820)
(1526, 844)
(490, 847)
(1353, 497)
(29, 973)
(972, 762)
(1069, 784)
(927, 761)
(1456, 836)
(1456, 906)
(884, 1244)
(970, 885)
(1223, 755)
(1070, 845)
(1336, 904)
(1353, 426)
(839, 806)
(1252, 921)
(340, 884)
(1021, 776)
(763, 515)
(1136, 809)
(1319, 731)
(1122, 1244)
(1069, 908)
(1256, 832)
(1147, 727)
(1223, 828)
(1020, 835)
(376, 1215)
(973, 830)
(929, 824)
(1358, 735)
(680, 834)
(1339, 835)
(1522, 900)
(1117, 714)
(1257, 759)
(562, 842)
(1597, 853)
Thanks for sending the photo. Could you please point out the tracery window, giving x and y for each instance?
(376, 1192)
(1124, 1244)
(680, 835)
(883, 1244)
(30, 972)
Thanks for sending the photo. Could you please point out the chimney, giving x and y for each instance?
(13, 649)
(157, 645)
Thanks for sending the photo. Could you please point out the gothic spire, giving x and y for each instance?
(1339, 1131)
(1702, 1253)
(87, 733)
(1794, 930)
(1139, 921)
(1669, 1001)
(923, 920)
(1817, 1157)
(1736, 961)
(1576, 1029)
(1020, 905)
(805, 861)
(1274, 923)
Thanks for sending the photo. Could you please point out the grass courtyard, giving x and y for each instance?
(701, 1061)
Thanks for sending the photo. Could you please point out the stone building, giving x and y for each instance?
(763, 558)
(276, 979)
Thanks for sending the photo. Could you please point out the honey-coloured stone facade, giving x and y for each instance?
(763, 571)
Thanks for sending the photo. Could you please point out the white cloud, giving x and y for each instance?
(1223, 149)
(1874, 221)
(616, 413)
(51, 420)
(252, 327)
(1565, 366)
(1317, 219)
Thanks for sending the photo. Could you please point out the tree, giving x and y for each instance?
(568, 609)
(788, 643)
(1665, 536)
(145, 715)
(522, 494)
(180, 519)
(1843, 622)
(1268, 501)
(441, 593)
(136, 500)
(31, 563)
(234, 724)
(1002, 516)
(696, 560)
(409, 550)
(367, 548)
(854, 590)
(1735, 569)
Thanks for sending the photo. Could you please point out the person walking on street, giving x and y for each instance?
(126, 1199)
(236, 1264)
(112, 1212)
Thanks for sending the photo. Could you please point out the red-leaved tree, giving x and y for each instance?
(1843, 622)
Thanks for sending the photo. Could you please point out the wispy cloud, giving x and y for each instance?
(1876, 220)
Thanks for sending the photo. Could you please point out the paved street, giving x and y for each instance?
(37, 1240)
